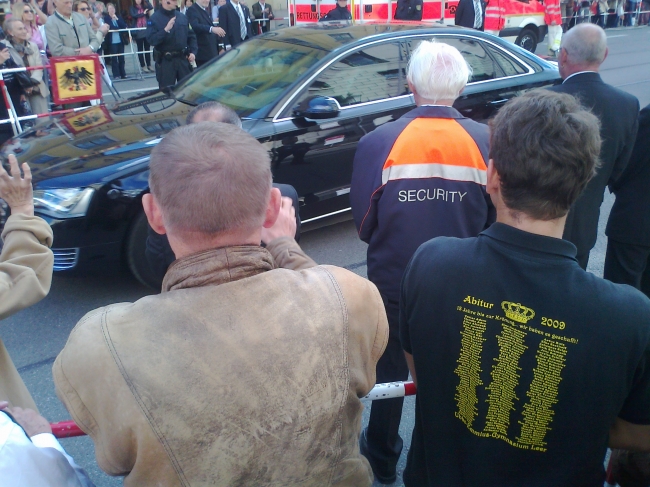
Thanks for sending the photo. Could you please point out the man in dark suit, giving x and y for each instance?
(470, 13)
(206, 34)
(235, 19)
(628, 227)
(583, 50)
(263, 12)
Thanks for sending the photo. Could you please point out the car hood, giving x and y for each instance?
(92, 144)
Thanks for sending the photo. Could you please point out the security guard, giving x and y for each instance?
(174, 43)
(340, 12)
(408, 10)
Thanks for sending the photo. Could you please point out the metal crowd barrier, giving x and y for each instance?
(69, 429)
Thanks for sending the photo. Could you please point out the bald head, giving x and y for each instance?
(584, 48)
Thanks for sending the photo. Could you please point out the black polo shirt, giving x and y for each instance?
(523, 362)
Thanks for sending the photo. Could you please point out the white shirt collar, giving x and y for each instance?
(575, 74)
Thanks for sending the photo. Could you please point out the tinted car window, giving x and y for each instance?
(483, 65)
(509, 65)
(251, 76)
(373, 73)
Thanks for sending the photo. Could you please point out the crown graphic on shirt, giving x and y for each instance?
(517, 312)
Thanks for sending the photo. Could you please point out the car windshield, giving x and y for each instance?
(251, 76)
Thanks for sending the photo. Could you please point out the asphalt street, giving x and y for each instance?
(35, 336)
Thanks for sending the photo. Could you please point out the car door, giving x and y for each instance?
(315, 156)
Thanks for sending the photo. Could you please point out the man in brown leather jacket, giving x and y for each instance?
(249, 367)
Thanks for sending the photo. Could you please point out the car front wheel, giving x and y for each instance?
(135, 253)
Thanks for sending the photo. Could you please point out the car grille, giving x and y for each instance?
(65, 259)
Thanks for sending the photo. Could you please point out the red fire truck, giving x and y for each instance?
(519, 21)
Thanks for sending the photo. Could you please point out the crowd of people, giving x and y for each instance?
(250, 365)
(35, 31)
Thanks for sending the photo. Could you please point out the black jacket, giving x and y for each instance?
(160, 256)
(465, 14)
(618, 113)
(258, 13)
(337, 13)
(108, 38)
(180, 38)
(629, 220)
(408, 10)
(201, 22)
(133, 12)
(229, 21)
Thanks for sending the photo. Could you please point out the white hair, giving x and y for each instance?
(585, 44)
(438, 71)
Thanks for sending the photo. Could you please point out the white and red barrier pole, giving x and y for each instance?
(69, 429)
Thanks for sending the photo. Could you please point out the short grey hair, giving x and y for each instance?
(218, 112)
(8, 25)
(210, 178)
(438, 71)
(585, 44)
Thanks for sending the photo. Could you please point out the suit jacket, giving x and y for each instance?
(61, 37)
(201, 22)
(258, 13)
(465, 14)
(629, 220)
(618, 113)
(229, 21)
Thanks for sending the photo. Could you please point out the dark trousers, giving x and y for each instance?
(201, 63)
(117, 62)
(169, 71)
(628, 264)
(383, 443)
(143, 45)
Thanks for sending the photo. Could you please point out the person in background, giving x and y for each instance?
(113, 42)
(235, 19)
(26, 53)
(584, 49)
(31, 455)
(46, 6)
(101, 29)
(553, 19)
(207, 35)
(215, 10)
(471, 13)
(263, 12)
(340, 12)
(408, 10)
(186, 4)
(26, 263)
(70, 33)
(140, 11)
(627, 260)
(174, 43)
(32, 17)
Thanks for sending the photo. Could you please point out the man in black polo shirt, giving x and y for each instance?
(527, 366)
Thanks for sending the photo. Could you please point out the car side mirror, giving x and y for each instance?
(318, 108)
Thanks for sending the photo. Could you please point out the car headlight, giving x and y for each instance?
(63, 202)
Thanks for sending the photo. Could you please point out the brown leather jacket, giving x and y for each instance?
(239, 374)
(25, 277)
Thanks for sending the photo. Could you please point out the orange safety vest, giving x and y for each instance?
(552, 12)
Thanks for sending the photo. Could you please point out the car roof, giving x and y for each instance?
(334, 35)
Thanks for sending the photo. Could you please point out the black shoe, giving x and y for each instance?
(381, 475)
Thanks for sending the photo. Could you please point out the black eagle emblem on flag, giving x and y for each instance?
(76, 79)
